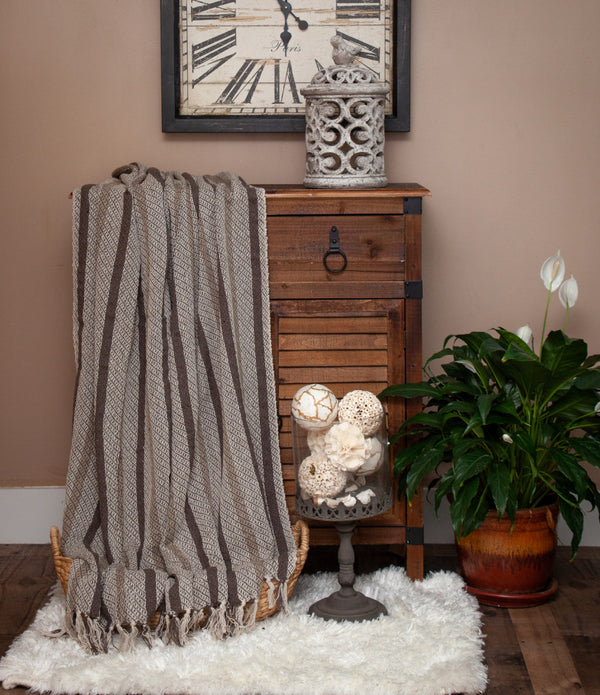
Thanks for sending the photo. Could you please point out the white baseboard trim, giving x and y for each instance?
(26, 515)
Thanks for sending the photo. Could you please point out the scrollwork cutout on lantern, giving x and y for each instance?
(345, 125)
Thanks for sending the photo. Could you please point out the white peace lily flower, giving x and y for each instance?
(597, 408)
(507, 438)
(568, 293)
(553, 271)
(525, 333)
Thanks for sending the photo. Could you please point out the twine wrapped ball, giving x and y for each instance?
(363, 409)
(318, 477)
(314, 406)
(345, 446)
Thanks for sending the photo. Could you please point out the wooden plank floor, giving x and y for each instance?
(552, 649)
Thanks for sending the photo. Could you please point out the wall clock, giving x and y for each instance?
(239, 65)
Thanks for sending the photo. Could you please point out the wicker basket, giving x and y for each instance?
(264, 610)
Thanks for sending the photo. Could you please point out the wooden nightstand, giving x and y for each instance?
(345, 283)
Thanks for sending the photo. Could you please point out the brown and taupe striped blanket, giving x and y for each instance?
(175, 501)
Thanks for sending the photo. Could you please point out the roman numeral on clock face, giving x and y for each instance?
(242, 88)
(357, 9)
(279, 85)
(245, 80)
(214, 9)
(209, 54)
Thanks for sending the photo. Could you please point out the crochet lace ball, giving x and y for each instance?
(318, 477)
(363, 409)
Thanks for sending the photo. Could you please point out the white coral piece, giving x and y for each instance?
(348, 501)
(318, 477)
(365, 496)
(363, 409)
(373, 456)
(345, 446)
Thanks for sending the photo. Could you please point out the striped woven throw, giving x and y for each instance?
(174, 500)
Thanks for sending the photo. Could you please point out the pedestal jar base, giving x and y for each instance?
(344, 605)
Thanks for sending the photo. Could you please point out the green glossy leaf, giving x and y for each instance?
(491, 349)
(428, 460)
(587, 448)
(509, 339)
(527, 372)
(573, 517)
(561, 355)
(468, 465)
(462, 373)
(475, 515)
(570, 467)
(484, 404)
(512, 504)
(462, 498)
(446, 352)
(426, 420)
(588, 380)
(443, 488)
(499, 481)
(592, 495)
(474, 340)
(409, 454)
(591, 361)
(524, 442)
(401, 484)
(572, 405)
(520, 353)
(419, 390)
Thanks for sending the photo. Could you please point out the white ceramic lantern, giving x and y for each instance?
(345, 127)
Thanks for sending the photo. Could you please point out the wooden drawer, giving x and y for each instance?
(373, 246)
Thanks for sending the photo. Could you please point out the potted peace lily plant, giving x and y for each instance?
(504, 431)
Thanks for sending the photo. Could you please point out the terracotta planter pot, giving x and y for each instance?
(511, 568)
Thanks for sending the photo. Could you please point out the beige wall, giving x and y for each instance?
(505, 113)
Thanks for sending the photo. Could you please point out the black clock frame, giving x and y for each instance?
(174, 122)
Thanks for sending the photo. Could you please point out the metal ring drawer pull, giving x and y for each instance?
(334, 250)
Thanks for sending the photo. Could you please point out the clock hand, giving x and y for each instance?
(285, 35)
(302, 24)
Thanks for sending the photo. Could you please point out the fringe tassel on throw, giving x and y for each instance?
(222, 621)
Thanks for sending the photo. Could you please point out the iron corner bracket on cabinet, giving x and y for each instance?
(415, 535)
(413, 289)
(413, 206)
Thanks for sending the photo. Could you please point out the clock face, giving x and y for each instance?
(252, 57)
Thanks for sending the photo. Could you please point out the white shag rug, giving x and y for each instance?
(430, 644)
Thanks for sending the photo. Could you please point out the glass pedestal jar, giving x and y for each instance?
(342, 475)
